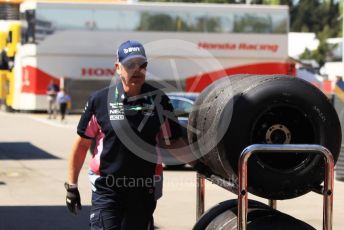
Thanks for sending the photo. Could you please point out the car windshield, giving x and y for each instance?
(182, 103)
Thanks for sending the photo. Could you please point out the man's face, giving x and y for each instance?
(132, 72)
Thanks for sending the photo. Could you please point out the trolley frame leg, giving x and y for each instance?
(200, 190)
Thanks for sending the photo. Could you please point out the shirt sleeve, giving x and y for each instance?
(88, 126)
(171, 126)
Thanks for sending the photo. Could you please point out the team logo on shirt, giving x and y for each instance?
(115, 105)
(148, 109)
(116, 117)
(116, 111)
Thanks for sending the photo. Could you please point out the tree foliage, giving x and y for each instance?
(321, 17)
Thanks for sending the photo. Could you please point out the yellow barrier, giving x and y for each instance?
(9, 88)
(2, 85)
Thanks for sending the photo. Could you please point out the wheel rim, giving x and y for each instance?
(283, 124)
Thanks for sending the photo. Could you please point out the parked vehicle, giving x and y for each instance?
(207, 42)
(182, 103)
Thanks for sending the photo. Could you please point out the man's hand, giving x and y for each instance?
(73, 198)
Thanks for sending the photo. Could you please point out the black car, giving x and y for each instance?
(182, 103)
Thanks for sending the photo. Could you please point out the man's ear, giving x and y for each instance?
(118, 69)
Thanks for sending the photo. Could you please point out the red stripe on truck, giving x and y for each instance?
(35, 80)
(199, 82)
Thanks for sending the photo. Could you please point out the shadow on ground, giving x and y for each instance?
(23, 151)
(178, 168)
(43, 218)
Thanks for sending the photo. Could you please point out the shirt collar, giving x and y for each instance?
(120, 94)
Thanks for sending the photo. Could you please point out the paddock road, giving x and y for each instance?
(33, 167)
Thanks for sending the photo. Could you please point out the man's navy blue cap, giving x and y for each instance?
(129, 50)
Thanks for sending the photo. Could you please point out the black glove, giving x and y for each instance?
(201, 168)
(72, 199)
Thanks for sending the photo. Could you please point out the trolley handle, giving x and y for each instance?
(314, 149)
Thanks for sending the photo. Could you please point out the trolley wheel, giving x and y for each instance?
(260, 216)
(222, 207)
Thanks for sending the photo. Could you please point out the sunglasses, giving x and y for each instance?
(134, 65)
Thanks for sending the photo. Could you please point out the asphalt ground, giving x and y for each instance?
(33, 168)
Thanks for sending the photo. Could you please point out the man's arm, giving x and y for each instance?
(75, 162)
(87, 129)
(170, 138)
(77, 158)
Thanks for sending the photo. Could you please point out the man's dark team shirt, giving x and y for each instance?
(110, 114)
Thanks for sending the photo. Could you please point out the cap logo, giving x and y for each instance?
(131, 49)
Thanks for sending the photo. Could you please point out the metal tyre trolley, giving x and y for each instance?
(241, 190)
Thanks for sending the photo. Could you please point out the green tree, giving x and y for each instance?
(323, 53)
(272, 2)
(324, 20)
(157, 22)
